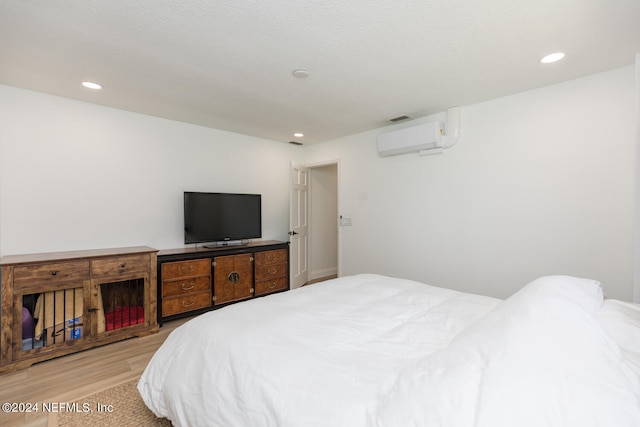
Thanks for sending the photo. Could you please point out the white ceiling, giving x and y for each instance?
(228, 64)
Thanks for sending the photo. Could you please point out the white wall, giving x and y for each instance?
(636, 257)
(540, 183)
(76, 176)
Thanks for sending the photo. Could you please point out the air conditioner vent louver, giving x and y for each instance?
(399, 119)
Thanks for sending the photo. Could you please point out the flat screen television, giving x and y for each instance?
(222, 218)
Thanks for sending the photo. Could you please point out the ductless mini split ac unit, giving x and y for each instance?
(427, 138)
(422, 137)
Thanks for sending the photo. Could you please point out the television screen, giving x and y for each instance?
(221, 217)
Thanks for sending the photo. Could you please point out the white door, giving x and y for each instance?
(298, 224)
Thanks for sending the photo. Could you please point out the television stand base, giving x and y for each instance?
(225, 243)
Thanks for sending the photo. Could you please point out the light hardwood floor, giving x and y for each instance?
(72, 377)
(322, 279)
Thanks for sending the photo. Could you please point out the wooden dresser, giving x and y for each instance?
(59, 303)
(195, 280)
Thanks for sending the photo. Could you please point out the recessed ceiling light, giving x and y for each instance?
(298, 135)
(552, 57)
(91, 85)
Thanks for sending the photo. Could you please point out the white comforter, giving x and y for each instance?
(370, 350)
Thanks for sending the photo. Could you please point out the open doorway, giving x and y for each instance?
(323, 222)
(314, 237)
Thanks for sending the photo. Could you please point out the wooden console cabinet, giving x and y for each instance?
(59, 303)
(194, 280)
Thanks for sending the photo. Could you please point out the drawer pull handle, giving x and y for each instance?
(233, 277)
(273, 285)
(123, 265)
(54, 273)
(271, 257)
(185, 269)
(272, 270)
(189, 304)
(185, 288)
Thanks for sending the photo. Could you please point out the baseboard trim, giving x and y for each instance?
(319, 274)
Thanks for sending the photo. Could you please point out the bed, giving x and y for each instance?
(370, 350)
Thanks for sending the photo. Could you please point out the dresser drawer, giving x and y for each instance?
(103, 267)
(277, 256)
(179, 269)
(185, 286)
(267, 286)
(51, 272)
(270, 271)
(182, 304)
